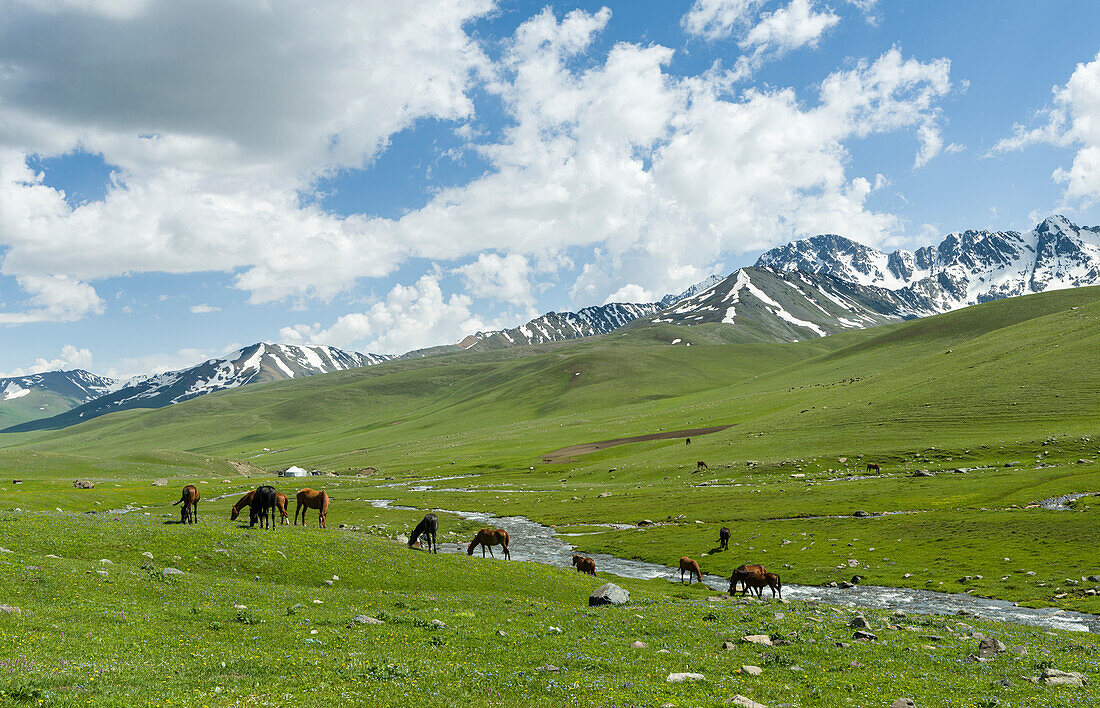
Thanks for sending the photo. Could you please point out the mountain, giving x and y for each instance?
(24, 398)
(254, 364)
(705, 284)
(966, 268)
(559, 326)
(771, 305)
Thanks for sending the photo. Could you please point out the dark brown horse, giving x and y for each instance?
(700, 466)
(189, 514)
(312, 499)
(873, 466)
(264, 502)
(246, 500)
(487, 538)
(428, 527)
(584, 565)
(724, 538)
(744, 574)
(689, 566)
(757, 583)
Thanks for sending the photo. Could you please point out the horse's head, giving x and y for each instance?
(234, 514)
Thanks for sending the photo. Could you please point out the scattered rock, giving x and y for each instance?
(1054, 677)
(639, 645)
(10, 610)
(160, 482)
(549, 667)
(866, 636)
(744, 702)
(752, 670)
(861, 514)
(147, 554)
(856, 579)
(362, 619)
(608, 594)
(441, 624)
(83, 484)
(1083, 461)
(171, 571)
(761, 639)
(923, 473)
(845, 585)
(501, 633)
(990, 647)
(855, 665)
(554, 630)
(682, 677)
(728, 645)
(645, 522)
(603, 495)
(859, 622)
(903, 703)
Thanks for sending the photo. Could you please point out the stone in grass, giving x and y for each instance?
(865, 636)
(147, 554)
(744, 702)
(439, 623)
(683, 677)
(761, 639)
(608, 594)
(859, 622)
(1054, 677)
(364, 619)
(752, 670)
(903, 703)
(990, 647)
(171, 571)
(10, 610)
(639, 645)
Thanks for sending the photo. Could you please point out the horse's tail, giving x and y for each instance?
(178, 502)
(779, 585)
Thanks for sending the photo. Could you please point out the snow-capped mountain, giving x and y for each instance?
(42, 395)
(966, 268)
(559, 326)
(705, 284)
(254, 364)
(769, 305)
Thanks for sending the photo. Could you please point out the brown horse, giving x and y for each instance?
(487, 538)
(700, 466)
(689, 566)
(246, 500)
(745, 574)
(312, 499)
(584, 565)
(757, 582)
(189, 514)
(873, 466)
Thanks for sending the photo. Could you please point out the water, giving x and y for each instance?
(531, 541)
(1062, 503)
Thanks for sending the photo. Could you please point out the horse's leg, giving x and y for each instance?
(490, 552)
(195, 511)
(296, 510)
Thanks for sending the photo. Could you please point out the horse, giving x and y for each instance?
(687, 441)
(689, 566)
(744, 573)
(312, 499)
(281, 502)
(724, 538)
(700, 466)
(487, 538)
(264, 500)
(189, 514)
(873, 466)
(246, 500)
(584, 565)
(427, 528)
(757, 582)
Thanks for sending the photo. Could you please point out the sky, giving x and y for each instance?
(179, 178)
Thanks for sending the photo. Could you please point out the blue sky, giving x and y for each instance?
(181, 178)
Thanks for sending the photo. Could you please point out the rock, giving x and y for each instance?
(1019, 649)
(645, 522)
(845, 586)
(1083, 461)
(10, 610)
(364, 619)
(171, 571)
(639, 645)
(903, 703)
(990, 647)
(855, 665)
(327, 582)
(608, 594)
(744, 702)
(554, 630)
(439, 623)
(501, 633)
(603, 495)
(761, 639)
(147, 554)
(861, 514)
(160, 482)
(1054, 677)
(83, 484)
(752, 670)
(867, 636)
(856, 579)
(663, 651)
(859, 622)
(898, 614)
(549, 667)
(923, 473)
(683, 677)
(830, 584)
(728, 645)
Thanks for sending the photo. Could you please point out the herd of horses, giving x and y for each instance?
(262, 503)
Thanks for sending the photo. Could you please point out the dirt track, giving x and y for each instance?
(566, 453)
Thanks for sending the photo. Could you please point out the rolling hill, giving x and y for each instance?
(25, 398)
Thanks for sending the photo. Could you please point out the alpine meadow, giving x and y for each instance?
(482, 353)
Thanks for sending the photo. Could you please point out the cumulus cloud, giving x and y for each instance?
(72, 357)
(506, 278)
(203, 309)
(1072, 121)
(717, 19)
(54, 298)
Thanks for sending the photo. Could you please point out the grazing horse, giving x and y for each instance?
(757, 583)
(487, 538)
(689, 566)
(312, 499)
(584, 565)
(724, 538)
(246, 500)
(189, 514)
(264, 500)
(427, 528)
(873, 466)
(700, 466)
(744, 574)
(687, 441)
(281, 502)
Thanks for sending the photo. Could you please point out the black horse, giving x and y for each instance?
(724, 538)
(427, 528)
(263, 502)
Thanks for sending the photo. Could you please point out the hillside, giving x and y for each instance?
(24, 398)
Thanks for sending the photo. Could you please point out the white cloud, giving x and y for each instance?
(72, 357)
(54, 298)
(631, 292)
(1073, 121)
(158, 363)
(777, 33)
(203, 308)
(505, 278)
(717, 19)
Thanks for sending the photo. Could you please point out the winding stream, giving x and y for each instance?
(531, 541)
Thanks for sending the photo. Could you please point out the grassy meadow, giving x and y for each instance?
(995, 405)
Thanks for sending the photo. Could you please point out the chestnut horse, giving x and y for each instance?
(264, 501)
(724, 538)
(689, 566)
(312, 499)
(487, 538)
(584, 565)
(428, 527)
(246, 500)
(873, 466)
(744, 574)
(700, 466)
(757, 582)
(189, 514)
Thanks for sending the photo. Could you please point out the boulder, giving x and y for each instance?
(1054, 677)
(639, 645)
(864, 635)
(903, 703)
(761, 639)
(859, 622)
(10, 610)
(364, 619)
(856, 579)
(744, 702)
(990, 647)
(683, 677)
(861, 514)
(645, 522)
(752, 670)
(83, 484)
(608, 594)
(171, 571)
(162, 482)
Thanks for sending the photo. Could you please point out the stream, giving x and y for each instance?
(531, 541)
